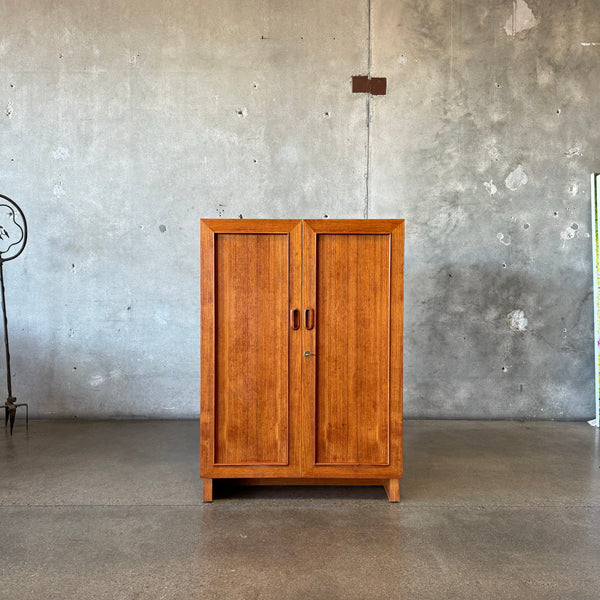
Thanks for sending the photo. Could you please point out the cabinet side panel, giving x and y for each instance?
(353, 349)
(207, 349)
(252, 297)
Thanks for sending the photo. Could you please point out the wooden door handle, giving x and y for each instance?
(295, 319)
(309, 318)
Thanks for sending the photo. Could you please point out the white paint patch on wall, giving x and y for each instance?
(500, 238)
(518, 178)
(97, 380)
(58, 190)
(61, 153)
(490, 187)
(522, 18)
(162, 315)
(569, 233)
(574, 151)
(517, 320)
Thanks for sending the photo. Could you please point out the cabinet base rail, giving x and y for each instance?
(392, 486)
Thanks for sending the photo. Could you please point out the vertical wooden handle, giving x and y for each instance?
(295, 319)
(309, 318)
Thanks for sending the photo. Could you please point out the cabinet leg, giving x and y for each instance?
(207, 490)
(392, 489)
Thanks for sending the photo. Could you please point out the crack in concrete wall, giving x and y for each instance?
(369, 116)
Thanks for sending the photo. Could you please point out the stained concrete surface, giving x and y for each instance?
(113, 510)
(125, 123)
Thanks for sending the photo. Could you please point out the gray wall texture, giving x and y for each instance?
(125, 122)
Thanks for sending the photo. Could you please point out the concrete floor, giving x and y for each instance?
(113, 510)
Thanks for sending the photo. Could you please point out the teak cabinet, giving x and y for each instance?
(301, 352)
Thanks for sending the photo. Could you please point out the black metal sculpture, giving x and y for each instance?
(13, 237)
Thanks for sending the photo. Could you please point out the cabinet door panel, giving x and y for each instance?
(352, 349)
(252, 357)
(252, 393)
(352, 398)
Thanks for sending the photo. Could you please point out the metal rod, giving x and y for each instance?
(8, 378)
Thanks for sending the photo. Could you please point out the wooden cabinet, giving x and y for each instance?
(301, 352)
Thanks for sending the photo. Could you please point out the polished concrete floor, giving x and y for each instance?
(114, 510)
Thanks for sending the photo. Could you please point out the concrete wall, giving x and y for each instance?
(123, 123)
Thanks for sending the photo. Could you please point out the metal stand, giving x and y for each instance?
(11, 405)
(13, 238)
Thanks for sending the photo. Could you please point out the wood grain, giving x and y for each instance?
(352, 388)
(207, 349)
(267, 411)
(392, 489)
(252, 349)
(207, 490)
(314, 481)
(352, 383)
(250, 366)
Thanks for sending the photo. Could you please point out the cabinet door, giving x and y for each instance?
(352, 379)
(250, 347)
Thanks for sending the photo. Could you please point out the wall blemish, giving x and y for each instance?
(517, 320)
(490, 187)
(61, 153)
(568, 234)
(522, 19)
(58, 190)
(500, 238)
(574, 151)
(516, 179)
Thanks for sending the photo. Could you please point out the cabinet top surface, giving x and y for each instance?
(317, 225)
